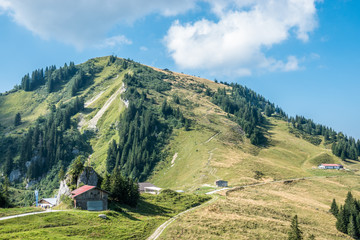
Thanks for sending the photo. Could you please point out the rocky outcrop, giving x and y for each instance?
(63, 190)
(14, 175)
(31, 183)
(88, 177)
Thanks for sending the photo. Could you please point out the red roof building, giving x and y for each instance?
(90, 198)
(81, 190)
(330, 166)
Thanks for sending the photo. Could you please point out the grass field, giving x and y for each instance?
(15, 211)
(125, 223)
(265, 212)
(200, 162)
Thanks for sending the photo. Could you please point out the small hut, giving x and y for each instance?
(47, 202)
(221, 183)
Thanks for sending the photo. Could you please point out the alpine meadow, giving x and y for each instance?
(194, 119)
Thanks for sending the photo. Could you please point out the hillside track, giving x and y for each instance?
(163, 226)
(28, 214)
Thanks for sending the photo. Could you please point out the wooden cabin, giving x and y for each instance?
(90, 198)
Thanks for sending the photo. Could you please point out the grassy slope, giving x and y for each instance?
(229, 155)
(29, 104)
(265, 212)
(130, 223)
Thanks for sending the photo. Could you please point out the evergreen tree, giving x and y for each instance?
(111, 156)
(122, 190)
(4, 202)
(117, 186)
(268, 110)
(341, 222)
(334, 208)
(187, 125)
(17, 120)
(106, 183)
(343, 156)
(352, 230)
(295, 233)
(6, 186)
(8, 165)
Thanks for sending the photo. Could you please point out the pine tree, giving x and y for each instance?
(117, 186)
(187, 125)
(4, 202)
(106, 184)
(352, 230)
(111, 156)
(17, 120)
(349, 199)
(8, 165)
(268, 110)
(295, 233)
(343, 156)
(334, 208)
(6, 187)
(341, 223)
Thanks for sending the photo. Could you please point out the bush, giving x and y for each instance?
(67, 202)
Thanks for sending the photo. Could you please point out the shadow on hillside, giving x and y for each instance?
(125, 214)
(143, 207)
(88, 110)
(149, 209)
(348, 161)
(268, 142)
(118, 208)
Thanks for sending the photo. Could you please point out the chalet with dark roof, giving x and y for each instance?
(90, 198)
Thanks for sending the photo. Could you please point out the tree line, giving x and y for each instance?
(342, 146)
(49, 77)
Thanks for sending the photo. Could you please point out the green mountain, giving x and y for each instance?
(175, 130)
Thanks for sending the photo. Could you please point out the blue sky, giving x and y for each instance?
(302, 55)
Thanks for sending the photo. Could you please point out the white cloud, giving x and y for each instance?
(84, 23)
(237, 43)
(314, 56)
(143, 48)
(114, 41)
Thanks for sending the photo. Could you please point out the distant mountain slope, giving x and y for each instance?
(176, 130)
